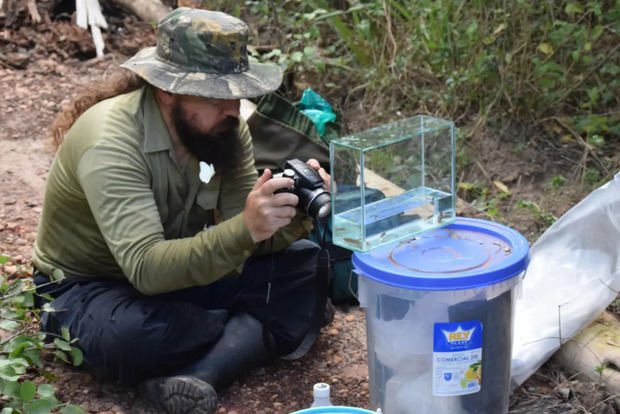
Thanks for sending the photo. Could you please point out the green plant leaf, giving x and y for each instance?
(593, 94)
(64, 345)
(61, 355)
(77, 356)
(19, 300)
(360, 53)
(525, 204)
(596, 140)
(48, 308)
(27, 391)
(17, 364)
(40, 407)
(610, 68)
(573, 8)
(272, 53)
(72, 409)
(34, 357)
(7, 410)
(546, 48)
(64, 332)
(597, 31)
(472, 29)
(465, 186)
(297, 57)
(4, 259)
(558, 181)
(9, 376)
(28, 300)
(45, 391)
(10, 388)
(8, 325)
(17, 347)
(320, 65)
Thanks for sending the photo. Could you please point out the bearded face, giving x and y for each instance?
(219, 146)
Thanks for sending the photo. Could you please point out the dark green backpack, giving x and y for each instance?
(281, 132)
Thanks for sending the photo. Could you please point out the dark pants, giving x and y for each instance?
(126, 336)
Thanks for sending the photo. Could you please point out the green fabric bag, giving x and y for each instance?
(280, 132)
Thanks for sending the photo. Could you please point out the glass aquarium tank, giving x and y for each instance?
(392, 182)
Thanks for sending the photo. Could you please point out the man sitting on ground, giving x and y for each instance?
(156, 288)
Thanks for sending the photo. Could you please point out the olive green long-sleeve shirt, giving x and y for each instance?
(118, 205)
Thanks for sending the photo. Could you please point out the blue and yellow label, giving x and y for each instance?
(457, 358)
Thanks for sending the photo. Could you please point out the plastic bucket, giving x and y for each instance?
(334, 410)
(439, 318)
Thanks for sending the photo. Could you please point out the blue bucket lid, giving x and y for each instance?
(334, 410)
(468, 253)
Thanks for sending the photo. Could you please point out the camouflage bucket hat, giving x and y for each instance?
(204, 53)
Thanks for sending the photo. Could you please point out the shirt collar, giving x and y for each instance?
(156, 136)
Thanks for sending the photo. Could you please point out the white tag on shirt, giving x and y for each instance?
(206, 172)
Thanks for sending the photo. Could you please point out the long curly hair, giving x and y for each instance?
(118, 83)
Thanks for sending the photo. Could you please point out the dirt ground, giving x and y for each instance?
(43, 67)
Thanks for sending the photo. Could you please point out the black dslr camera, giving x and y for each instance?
(314, 199)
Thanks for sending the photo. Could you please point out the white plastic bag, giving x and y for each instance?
(574, 274)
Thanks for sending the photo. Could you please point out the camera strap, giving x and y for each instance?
(322, 282)
(267, 337)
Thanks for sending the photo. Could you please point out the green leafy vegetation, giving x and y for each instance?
(490, 203)
(23, 349)
(558, 181)
(483, 59)
(538, 213)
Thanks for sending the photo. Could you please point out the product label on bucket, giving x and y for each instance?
(457, 358)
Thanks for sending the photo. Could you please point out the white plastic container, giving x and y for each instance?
(321, 393)
(439, 313)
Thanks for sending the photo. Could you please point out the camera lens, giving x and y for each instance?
(319, 204)
(325, 210)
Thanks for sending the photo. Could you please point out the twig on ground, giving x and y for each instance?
(484, 172)
(10, 338)
(388, 22)
(605, 400)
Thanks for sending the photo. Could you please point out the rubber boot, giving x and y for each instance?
(240, 349)
(181, 394)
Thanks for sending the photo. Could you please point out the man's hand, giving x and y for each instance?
(266, 212)
(322, 173)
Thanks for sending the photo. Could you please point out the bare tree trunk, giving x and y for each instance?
(146, 10)
(33, 12)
